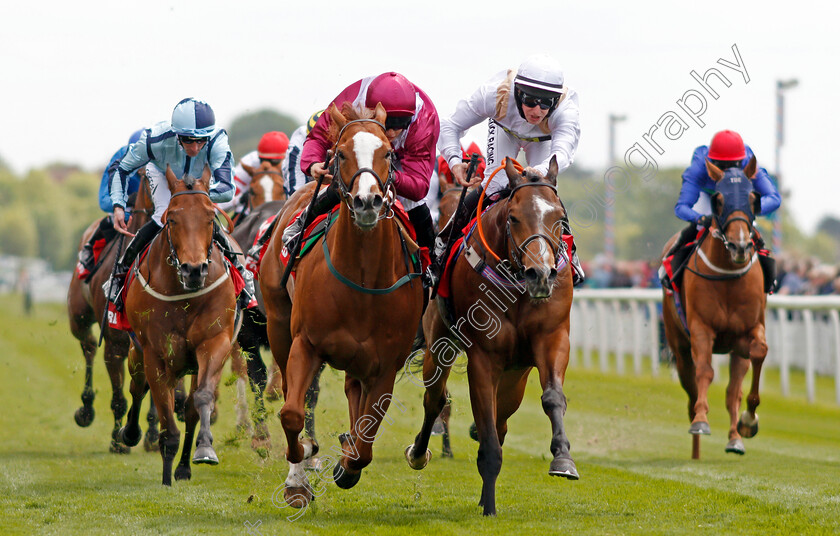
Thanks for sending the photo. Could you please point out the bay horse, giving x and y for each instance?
(86, 304)
(181, 305)
(723, 299)
(354, 307)
(512, 316)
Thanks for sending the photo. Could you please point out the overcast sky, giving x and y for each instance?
(79, 77)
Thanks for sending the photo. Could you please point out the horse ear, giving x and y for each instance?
(752, 168)
(248, 169)
(379, 113)
(714, 172)
(205, 178)
(171, 179)
(755, 200)
(551, 176)
(337, 123)
(717, 203)
(514, 178)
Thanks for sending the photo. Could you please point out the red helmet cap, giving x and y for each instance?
(395, 93)
(727, 145)
(273, 145)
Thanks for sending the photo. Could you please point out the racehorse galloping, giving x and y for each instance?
(85, 307)
(363, 324)
(723, 299)
(181, 305)
(267, 185)
(513, 316)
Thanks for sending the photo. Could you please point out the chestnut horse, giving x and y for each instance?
(181, 305)
(85, 307)
(518, 322)
(267, 184)
(723, 299)
(354, 307)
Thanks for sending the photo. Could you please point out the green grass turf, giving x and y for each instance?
(628, 434)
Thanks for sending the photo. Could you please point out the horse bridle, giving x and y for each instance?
(720, 232)
(516, 250)
(173, 259)
(345, 190)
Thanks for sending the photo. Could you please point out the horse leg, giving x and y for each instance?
(211, 355)
(300, 369)
(85, 414)
(310, 401)
(357, 447)
(748, 423)
(183, 471)
(180, 399)
(509, 396)
(551, 355)
(238, 367)
(274, 387)
(162, 385)
(437, 361)
(483, 377)
(446, 447)
(129, 435)
(702, 341)
(738, 367)
(249, 343)
(152, 437)
(114, 363)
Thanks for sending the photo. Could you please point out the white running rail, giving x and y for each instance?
(803, 332)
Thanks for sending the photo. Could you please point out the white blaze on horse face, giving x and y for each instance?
(542, 208)
(268, 187)
(364, 145)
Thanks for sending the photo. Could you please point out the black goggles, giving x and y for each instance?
(533, 102)
(398, 122)
(187, 140)
(272, 161)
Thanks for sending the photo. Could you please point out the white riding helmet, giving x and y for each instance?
(540, 76)
(193, 117)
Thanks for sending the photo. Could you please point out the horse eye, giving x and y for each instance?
(513, 219)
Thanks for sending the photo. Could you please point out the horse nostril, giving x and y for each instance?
(552, 275)
(205, 269)
(531, 274)
(358, 204)
(377, 202)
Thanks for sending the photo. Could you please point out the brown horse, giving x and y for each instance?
(85, 307)
(351, 308)
(181, 305)
(512, 316)
(723, 299)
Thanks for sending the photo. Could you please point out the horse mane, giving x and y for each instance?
(189, 182)
(351, 113)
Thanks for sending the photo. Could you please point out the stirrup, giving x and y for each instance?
(429, 277)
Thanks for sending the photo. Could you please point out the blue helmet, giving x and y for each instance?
(135, 137)
(193, 117)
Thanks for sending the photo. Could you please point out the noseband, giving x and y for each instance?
(386, 187)
(172, 259)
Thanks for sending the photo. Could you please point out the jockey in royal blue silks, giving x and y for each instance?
(105, 231)
(187, 143)
(694, 204)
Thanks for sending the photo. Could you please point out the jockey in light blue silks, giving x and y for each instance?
(187, 144)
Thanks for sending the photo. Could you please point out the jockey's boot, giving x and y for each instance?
(456, 223)
(424, 227)
(248, 297)
(768, 264)
(327, 199)
(680, 253)
(578, 276)
(87, 260)
(113, 287)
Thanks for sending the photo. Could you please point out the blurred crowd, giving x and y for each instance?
(795, 275)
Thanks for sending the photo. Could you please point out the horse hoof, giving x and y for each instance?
(311, 447)
(747, 425)
(183, 472)
(297, 497)
(700, 428)
(343, 478)
(84, 416)
(151, 440)
(446, 453)
(736, 446)
(127, 438)
(417, 463)
(474, 432)
(205, 455)
(564, 467)
(118, 448)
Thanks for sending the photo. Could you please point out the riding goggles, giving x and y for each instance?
(272, 161)
(398, 122)
(533, 102)
(187, 140)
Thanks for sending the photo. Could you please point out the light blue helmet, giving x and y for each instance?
(193, 117)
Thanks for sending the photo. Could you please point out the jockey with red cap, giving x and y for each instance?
(694, 203)
(272, 148)
(412, 128)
